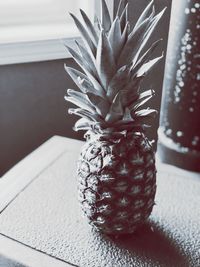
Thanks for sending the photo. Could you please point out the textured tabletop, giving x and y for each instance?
(45, 216)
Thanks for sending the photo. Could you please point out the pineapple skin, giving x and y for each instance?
(117, 182)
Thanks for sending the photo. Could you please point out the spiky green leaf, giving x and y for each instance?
(97, 85)
(86, 38)
(134, 41)
(105, 16)
(125, 34)
(90, 89)
(144, 121)
(148, 33)
(82, 124)
(145, 57)
(78, 77)
(134, 85)
(144, 113)
(105, 60)
(119, 81)
(129, 125)
(115, 38)
(100, 104)
(85, 114)
(148, 66)
(79, 99)
(124, 18)
(144, 95)
(85, 125)
(97, 25)
(138, 39)
(128, 97)
(82, 81)
(121, 5)
(127, 115)
(116, 111)
(141, 97)
(145, 14)
(90, 27)
(88, 71)
(122, 100)
(141, 102)
(88, 59)
(82, 63)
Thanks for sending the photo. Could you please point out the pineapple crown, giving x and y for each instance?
(113, 65)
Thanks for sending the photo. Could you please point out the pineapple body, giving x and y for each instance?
(116, 170)
(117, 182)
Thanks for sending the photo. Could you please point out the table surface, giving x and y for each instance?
(41, 223)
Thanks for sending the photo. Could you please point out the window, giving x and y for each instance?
(35, 30)
(30, 20)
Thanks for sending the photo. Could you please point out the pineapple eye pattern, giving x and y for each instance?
(135, 190)
(116, 168)
(107, 195)
(123, 202)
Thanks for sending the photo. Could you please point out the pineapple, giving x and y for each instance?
(116, 168)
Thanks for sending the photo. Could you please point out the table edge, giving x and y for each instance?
(24, 172)
(27, 256)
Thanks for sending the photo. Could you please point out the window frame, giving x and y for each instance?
(42, 50)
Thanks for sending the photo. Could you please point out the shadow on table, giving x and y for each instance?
(152, 243)
(4, 262)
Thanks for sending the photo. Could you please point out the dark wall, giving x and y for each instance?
(32, 107)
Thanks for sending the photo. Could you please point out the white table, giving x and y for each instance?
(41, 225)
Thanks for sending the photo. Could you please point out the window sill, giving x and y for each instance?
(35, 46)
(35, 51)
